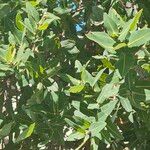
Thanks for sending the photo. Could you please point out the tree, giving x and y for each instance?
(74, 74)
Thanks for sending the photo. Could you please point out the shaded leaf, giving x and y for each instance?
(112, 128)
(6, 129)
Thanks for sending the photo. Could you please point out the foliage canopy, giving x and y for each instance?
(74, 74)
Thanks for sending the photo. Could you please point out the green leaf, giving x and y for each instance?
(76, 89)
(24, 81)
(107, 91)
(10, 54)
(28, 25)
(116, 17)
(4, 10)
(107, 63)
(110, 25)
(31, 10)
(70, 46)
(94, 144)
(144, 84)
(147, 95)
(96, 127)
(112, 128)
(102, 116)
(131, 117)
(125, 31)
(53, 71)
(43, 24)
(55, 96)
(129, 26)
(78, 113)
(70, 79)
(79, 66)
(6, 129)
(126, 104)
(93, 106)
(96, 16)
(87, 77)
(23, 55)
(109, 107)
(139, 37)
(120, 46)
(26, 133)
(103, 39)
(5, 67)
(62, 11)
(75, 126)
(125, 63)
(19, 21)
(136, 18)
(75, 136)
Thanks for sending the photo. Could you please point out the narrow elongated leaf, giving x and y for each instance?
(109, 107)
(126, 104)
(96, 127)
(55, 97)
(70, 79)
(110, 25)
(131, 117)
(125, 63)
(147, 95)
(43, 24)
(119, 46)
(28, 25)
(108, 91)
(103, 39)
(87, 77)
(102, 116)
(139, 37)
(94, 144)
(31, 10)
(75, 136)
(4, 9)
(125, 30)
(5, 67)
(76, 88)
(142, 84)
(19, 22)
(79, 66)
(10, 54)
(135, 20)
(5, 130)
(26, 133)
(116, 17)
(93, 106)
(130, 26)
(75, 126)
(112, 128)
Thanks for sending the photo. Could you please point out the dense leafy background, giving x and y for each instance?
(74, 74)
